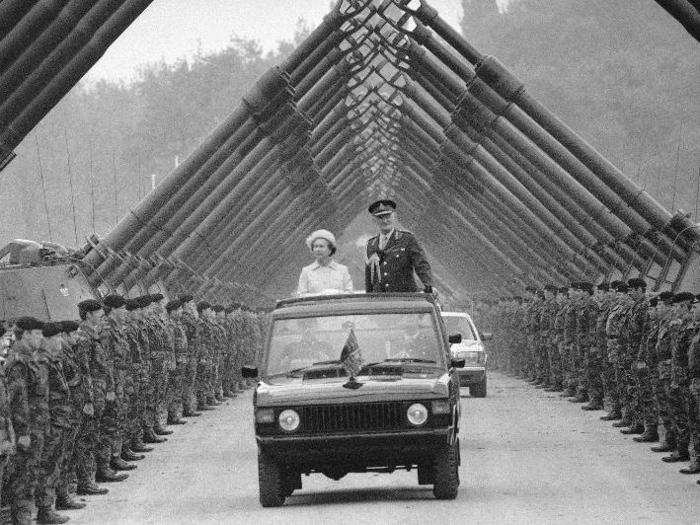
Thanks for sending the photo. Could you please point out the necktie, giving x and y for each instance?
(382, 241)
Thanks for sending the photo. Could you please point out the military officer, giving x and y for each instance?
(393, 255)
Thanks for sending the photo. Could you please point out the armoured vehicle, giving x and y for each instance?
(356, 383)
(43, 280)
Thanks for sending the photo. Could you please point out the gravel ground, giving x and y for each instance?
(527, 457)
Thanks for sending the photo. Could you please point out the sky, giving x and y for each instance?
(172, 29)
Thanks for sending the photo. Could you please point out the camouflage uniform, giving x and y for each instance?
(56, 439)
(7, 434)
(694, 394)
(636, 322)
(615, 331)
(586, 316)
(28, 394)
(684, 331)
(138, 379)
(598, 367)
(154, 390)
(662, 384)
(176, 400)
(192, 335)
(91, 438)
(76, 370)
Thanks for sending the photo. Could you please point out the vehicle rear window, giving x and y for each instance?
(459, 325)
(299, 343)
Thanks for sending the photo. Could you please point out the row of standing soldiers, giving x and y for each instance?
(610, 344)
(80, 400)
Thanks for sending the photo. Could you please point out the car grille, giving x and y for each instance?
(352, 417)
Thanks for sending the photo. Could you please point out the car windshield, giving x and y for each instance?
(459, 325)
(353, 341)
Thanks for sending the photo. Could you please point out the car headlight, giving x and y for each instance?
(289, 420)
(417, 414)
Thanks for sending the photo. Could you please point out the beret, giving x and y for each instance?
(532, 289)
(551, 288)
(144, 300)
(131, 304)
(666, 297)
(564, 289)
(382, 207)
(230, 308)
(157, 297)
(89, 305)
(173, 305)
(682, 297)
(51, 329)
(202, 305)
(114, 301)
(185, 298)
(637, 283)
(615, 284)
(217, 308)
(653, 301)
(29, 323)
(621, 287)
(69, 326)
(604, 287)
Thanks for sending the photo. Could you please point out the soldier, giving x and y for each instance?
(681, 330)
(164, 360)
(596, 362)
(633, 330)
(190, 321)
(154, 390)
(59, 425)
(92, 441)
(28, 395)
(7, 432)
(113, 340)
(549, 312)
(661, 371)
(137, 373)
(176, 381)
(77, 373)
(586, 313)
(614, 329)
(393, 255)
(694, 396)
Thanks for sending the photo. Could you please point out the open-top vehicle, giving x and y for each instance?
(356, 383)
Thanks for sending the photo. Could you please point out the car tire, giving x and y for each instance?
(446, 472)
(478, 389)
(426, 474)
(270, 481)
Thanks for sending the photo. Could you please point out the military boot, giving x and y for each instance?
(150, 437)
(191, 413)
(174, 420)
(118, 463)
(680, 454)
(47, 515)
(105, 474)
(65, 502)
(593, 404)
(160, 431)
(569, 391)
(693, 468)
(91, 489)
(651, 434)
(624, 422)
(21, 517)
(635, 428)
(613, 415)
(667, 445)
(139, 446)
(581, 397)
(130, 455)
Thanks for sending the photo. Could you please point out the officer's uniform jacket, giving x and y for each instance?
(397, 261)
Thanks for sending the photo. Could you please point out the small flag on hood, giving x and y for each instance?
(351, 357)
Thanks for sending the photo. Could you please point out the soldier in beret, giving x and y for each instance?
(28, 395)
(190, 321)
(177, 376)
(59, 425)
(7, 433)
(393, 255)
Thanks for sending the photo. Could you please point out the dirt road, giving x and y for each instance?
(527, 457)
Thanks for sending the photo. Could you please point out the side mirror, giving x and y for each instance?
(455, 339)
(249, 372)
(486, 336)
(457, 363)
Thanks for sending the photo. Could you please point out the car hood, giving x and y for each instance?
(291, 391)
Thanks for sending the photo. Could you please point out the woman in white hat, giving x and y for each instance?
(324, 275)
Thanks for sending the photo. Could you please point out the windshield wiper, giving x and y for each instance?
(295, 371)
(331, 362)
(410, 360)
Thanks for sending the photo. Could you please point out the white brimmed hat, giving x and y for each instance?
(320, 234)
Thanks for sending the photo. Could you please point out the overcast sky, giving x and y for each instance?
(172, 29)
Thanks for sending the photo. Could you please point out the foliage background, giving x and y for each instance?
(622, 73)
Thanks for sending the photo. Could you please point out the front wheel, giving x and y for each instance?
(446, 472)
(270, 481)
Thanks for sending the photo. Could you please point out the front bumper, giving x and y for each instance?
(470, 375)
(357, 451)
